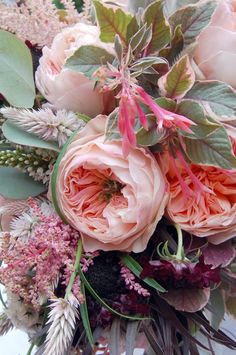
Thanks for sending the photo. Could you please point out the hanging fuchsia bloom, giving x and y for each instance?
(164, 117)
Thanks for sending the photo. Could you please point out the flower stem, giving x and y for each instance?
(179, 254)
(75, 271)
(30, 349)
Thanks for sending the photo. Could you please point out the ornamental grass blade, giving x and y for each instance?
(153, 342)
(131, 333)
(115, 334)
(85, 317)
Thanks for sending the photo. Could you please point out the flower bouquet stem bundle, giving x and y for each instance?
(118, 175)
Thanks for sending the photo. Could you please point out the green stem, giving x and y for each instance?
(30, 349)
(76, 268)
(179, 254)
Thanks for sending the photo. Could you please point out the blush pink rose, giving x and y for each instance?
(215, 53)
(210, 214)
(67, 89)
(115, 202)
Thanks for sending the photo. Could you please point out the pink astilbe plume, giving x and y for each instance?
(37, 21)
(32, 267)
(131, 284)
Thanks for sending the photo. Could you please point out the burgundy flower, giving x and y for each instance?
(181, 274)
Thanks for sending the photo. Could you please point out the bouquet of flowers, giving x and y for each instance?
(118, 174)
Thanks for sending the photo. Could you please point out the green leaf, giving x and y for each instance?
(218, 308)
(135, 5)
(214, 149)
(112, 22)
(136, 269)
(205, 125)
(174, 5)
(141, 39)
(161, 35)
(54, 177)
(146, 62)
(16, 71)
(112, 130)
(16, 135)
(220, 97)
(87, 59)
(85, 317)
(101, 301)
(151, 136)
(175, 48)
(193, 19)
(15, 184)
(178, 80)
(231, 306)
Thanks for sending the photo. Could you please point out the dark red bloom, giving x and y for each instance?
(176, 274)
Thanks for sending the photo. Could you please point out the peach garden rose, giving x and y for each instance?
(67, 89)
(115, 202)
(204, 205)
(215, 53)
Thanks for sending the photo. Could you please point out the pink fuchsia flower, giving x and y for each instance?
(67, 89)
(115, 202)
(209, 212)
(215, 53)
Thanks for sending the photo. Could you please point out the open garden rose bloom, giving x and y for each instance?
(210, 213)
(215, 54)
(115, 202)
(64, 88)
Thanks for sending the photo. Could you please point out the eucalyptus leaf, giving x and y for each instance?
(178, 80)
(214, 150)
(15, 184)
(161, 35)
(111, 22)
(16, 71)
(220, 97)
(87, 59)
(193, 19)
(16, 135)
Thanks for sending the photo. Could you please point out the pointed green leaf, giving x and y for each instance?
(218, 308)
(193, 19)
(16, 135)
(178, 80)
(231, 306)
(175, 48)
(87, 59)
(112, 131)
(205, 125)
(151, 136)
(220, 97)
(136, 269)
(135, 5)
(161, 35)
(214, 150)
(16, 71)
(15, 184)
(111, 22)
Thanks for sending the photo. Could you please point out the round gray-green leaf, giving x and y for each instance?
(16, 135)
(16, 71)
(15, 184)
